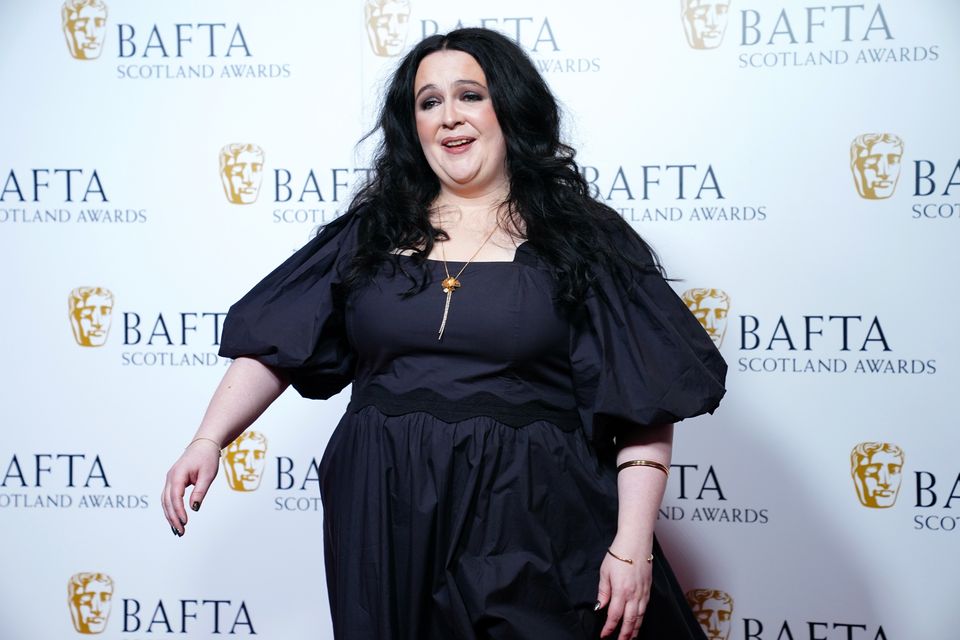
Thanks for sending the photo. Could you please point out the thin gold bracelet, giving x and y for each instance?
(627, 560)
(645, 463)
(208, 440)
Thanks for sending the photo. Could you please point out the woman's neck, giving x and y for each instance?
(469, 221)
(478, 207)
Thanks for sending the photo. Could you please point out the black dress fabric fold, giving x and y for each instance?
(639, 357)
(293, 319)
(468, 490)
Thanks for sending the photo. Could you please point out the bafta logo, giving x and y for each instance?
(91, 309)
(88, 597)
(241, 169)
(710, 306)
(875, 162)
(386, 22)
(84, 24)
(713, 609)
(877, 469)
(704, 22)
(244, 460)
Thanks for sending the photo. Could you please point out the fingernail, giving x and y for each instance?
(596, 607)
(175, 532)
(195, 506)
(183, 522)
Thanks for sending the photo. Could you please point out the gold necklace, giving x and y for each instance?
(451, 283)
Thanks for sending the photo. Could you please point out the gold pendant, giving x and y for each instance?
(449, 284)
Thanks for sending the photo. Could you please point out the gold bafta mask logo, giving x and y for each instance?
(89, 596)
(91, 309)
(711, 307)
(704, 22)
(713, 609)
(241, 169)
(244, 460)
(877, 469)
(387, 22)
(84, 24)
(875, 162)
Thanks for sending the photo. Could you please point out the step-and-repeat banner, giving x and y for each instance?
(796, 164)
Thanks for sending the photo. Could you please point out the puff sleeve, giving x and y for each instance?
(293, 320)
(640, 357)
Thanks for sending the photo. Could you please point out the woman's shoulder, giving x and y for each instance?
(346, 222)
(621, 253)
(337, 239)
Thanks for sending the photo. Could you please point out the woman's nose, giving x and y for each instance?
(451, 114)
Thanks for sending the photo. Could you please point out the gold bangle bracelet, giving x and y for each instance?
(208, 440)
(627, 560)
(645, 463)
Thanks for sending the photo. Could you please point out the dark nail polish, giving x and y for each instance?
(183, 522)
(175, 532)
(195, 506)
(596, 607)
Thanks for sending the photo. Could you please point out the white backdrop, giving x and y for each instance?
(836, 323)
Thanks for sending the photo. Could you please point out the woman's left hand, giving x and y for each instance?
(625, 588)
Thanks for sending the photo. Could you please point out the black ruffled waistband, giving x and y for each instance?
(450, 410)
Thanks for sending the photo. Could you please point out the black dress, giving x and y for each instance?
(470, 490)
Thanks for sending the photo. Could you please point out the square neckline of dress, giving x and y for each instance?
(514, 260)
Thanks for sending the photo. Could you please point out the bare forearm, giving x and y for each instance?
(640, 489)
(246, 390)
(626, 572)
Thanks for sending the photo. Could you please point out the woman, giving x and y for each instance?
(510, 341)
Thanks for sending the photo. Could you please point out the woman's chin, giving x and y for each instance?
(462, 180)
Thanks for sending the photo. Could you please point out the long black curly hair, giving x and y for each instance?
(566, 226)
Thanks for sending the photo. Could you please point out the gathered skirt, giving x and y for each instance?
(473, 530)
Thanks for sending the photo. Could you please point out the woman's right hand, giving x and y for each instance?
(198, 467)
(246, 390)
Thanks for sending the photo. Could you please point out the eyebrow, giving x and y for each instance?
(457, 83)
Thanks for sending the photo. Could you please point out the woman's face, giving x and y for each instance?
(457, 126)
